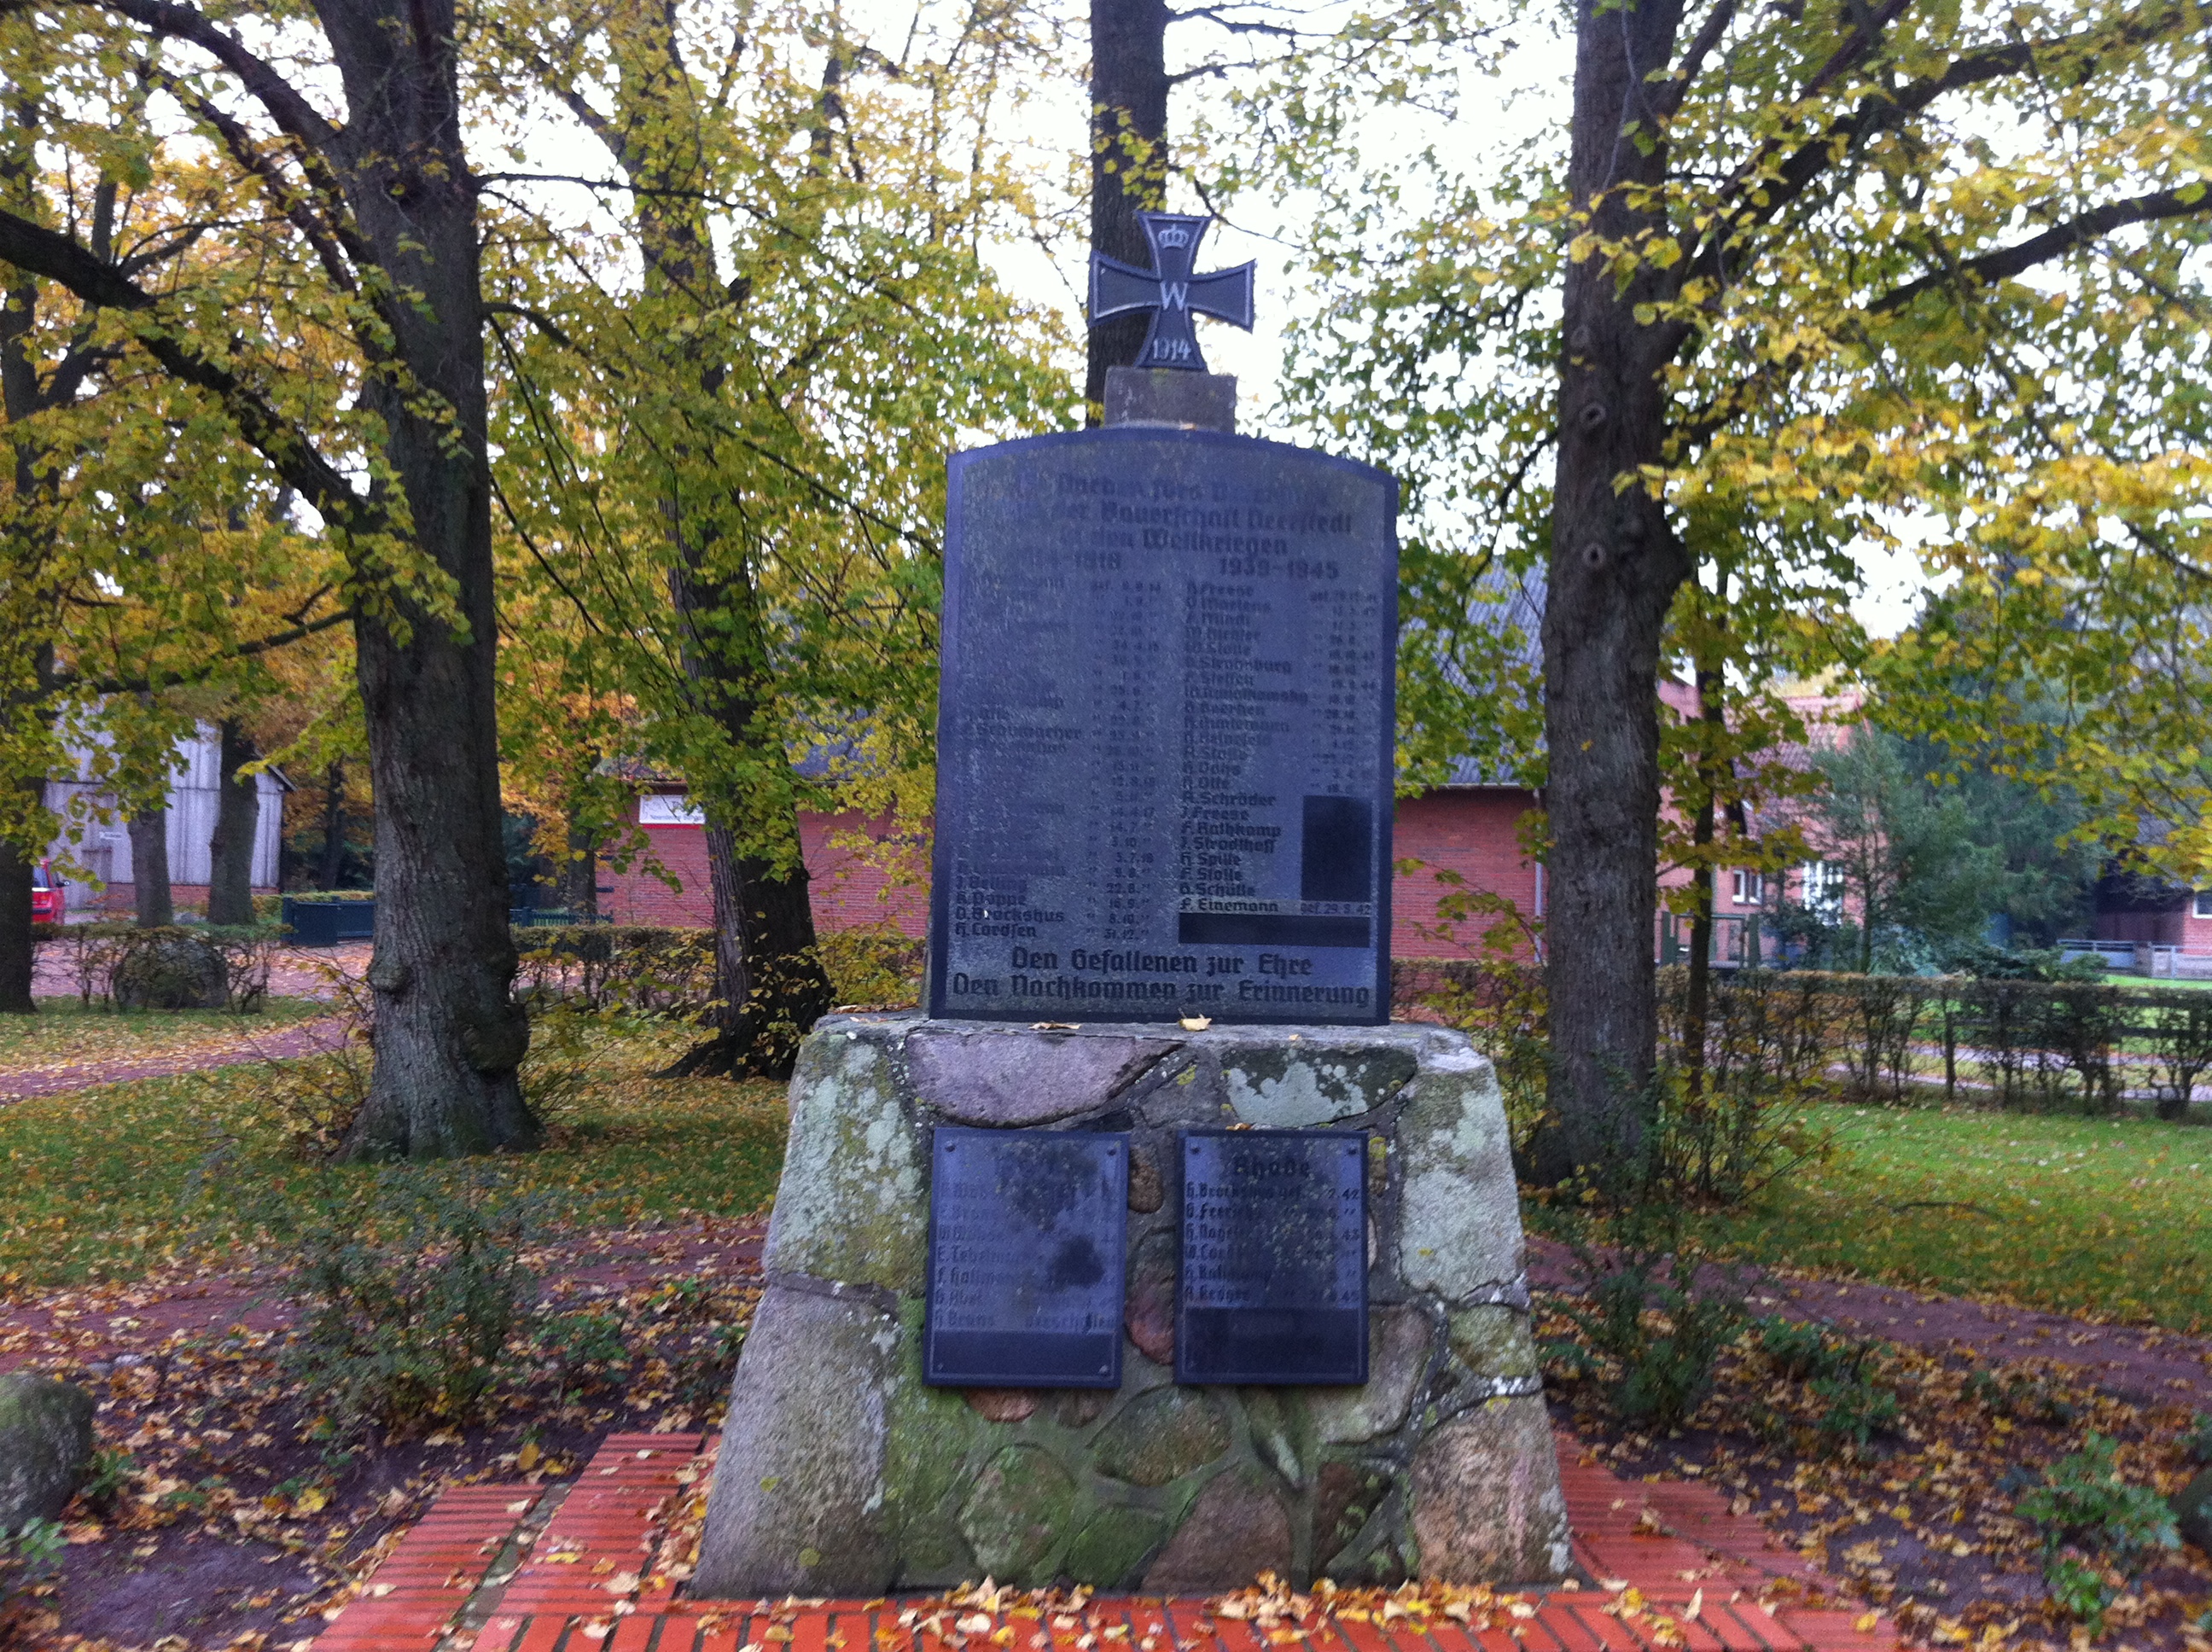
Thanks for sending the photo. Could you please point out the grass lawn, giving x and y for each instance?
(2089, 1217)
(106, 1183)
(2099, 1218)
(66, 1030)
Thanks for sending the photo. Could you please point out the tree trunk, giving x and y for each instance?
(1614, 564)
(1128, 158)
(149, 870)
(25, 528)
(334, 823)
(769, 985)
(18, 958)
(237, 819)
(449, 1035)
(580, 877)
(1697, 1000)
(1697, 1006)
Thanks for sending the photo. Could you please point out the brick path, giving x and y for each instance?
(1671, 1565)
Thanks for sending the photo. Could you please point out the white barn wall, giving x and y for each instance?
(193, 785)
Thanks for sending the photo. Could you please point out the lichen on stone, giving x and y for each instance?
(1493, 1341)
(1017, 1514)
(853, 1205)
(1459, 1216)
(1162, 1437)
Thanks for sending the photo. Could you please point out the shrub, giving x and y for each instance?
(174, 973)
(2084, 1505)
(181, 967)
(1723, 1132)
(408, 1292)
(1801, 1352)
(2080, 1026)
(1855, 1409)
(583, 1350)
(1658, 1340)
(29, 1557)
(564, 1055)
(2179, 1030)
(1500, 1003)
(311, 1104)
(107, 1478)
(2196, 1439)
(875, 968)
(630, 967)
(1884, 1014)
(2022, 1397)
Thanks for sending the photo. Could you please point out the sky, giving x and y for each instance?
(1529, 89)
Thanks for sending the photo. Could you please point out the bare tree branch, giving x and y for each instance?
(2054, 242)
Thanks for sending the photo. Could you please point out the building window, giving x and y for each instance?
(1750, 888)
(2202, 904)
(1824, 887)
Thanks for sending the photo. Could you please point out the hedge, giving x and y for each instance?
(2048, 1045)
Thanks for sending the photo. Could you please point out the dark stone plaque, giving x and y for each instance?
(1165, 732)
(1027, 1232)
(1274, 1257)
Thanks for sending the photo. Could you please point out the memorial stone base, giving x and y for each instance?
(842, 1474)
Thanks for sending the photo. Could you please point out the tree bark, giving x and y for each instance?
(149, 870)
(237, 818)
(27, 532)
(1128, 160)
(580, 877)
(18, 961)
(769, 985)
(449, 1035)
(1696, 1010)
(332, 866)
(1615, 563)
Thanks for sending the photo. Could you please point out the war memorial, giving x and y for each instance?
(1153, 1254)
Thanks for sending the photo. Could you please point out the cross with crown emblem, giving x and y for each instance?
(1173, 294)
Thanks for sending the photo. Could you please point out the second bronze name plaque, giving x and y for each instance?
(1274, 1257)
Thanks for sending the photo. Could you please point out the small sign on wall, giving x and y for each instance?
(670, 809)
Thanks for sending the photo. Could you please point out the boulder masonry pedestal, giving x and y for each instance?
(842, 1474)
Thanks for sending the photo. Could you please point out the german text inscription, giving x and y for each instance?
(1165, 733)
(1274, 1257)
(1027, 1235)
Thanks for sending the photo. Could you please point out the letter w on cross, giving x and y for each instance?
(1173, 294)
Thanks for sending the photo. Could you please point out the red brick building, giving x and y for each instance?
(865, 873)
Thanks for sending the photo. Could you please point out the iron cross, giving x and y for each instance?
(1170, 291)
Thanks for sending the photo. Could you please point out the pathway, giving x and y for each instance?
(100, 1325)
(314, 1037)
(2140, 1363)
(314, 973)
(1661, 1565)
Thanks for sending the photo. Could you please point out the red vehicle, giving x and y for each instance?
(46, 893)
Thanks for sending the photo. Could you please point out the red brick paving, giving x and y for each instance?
(569, 1595)
(423, 1582)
